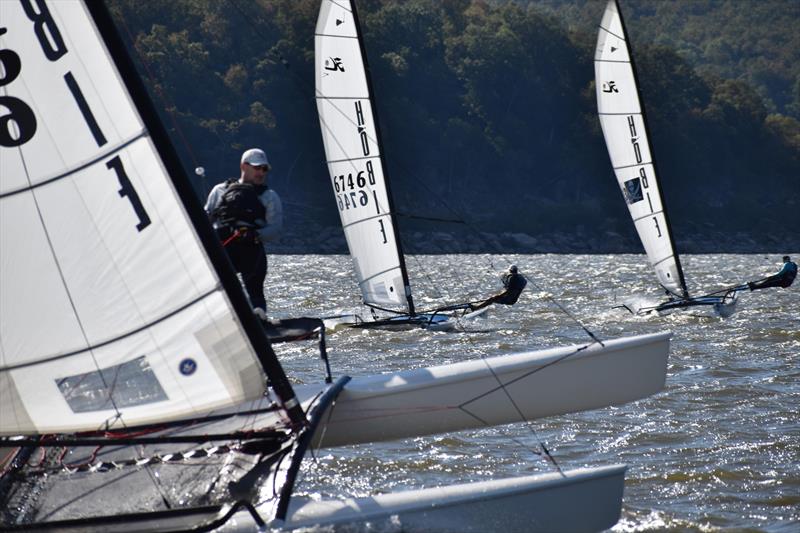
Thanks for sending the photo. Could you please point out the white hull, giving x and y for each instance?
(468, 395)
(586, 499)
(405, 404)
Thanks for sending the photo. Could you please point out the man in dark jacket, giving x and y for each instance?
(513, 283)
(784, 278)
(246, 214)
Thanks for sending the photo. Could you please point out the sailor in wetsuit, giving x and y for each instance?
(513, 282)
(784, 278)
(246, 214)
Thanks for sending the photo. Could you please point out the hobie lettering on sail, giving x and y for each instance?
(354, 157)
(623, 123)
(112, 313)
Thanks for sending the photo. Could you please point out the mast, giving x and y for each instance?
(211, 244)
(403, 270)
(652, 154)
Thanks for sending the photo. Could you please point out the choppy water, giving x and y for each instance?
(718, 448)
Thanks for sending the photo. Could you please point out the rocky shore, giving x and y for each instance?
(312, 239)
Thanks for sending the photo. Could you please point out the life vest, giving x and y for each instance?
(240, 204)
(789, 273)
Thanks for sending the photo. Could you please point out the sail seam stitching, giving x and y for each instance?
(612, 33)
(632, 166)
(379, 274)
(648, 215)
(80, 167)
(339, 5)
(322, 97)
(662, 260)
(354, 159)
(373, 217)
(335, 36)
(115, 339)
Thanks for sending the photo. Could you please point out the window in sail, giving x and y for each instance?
(633, 191)
(126, 385)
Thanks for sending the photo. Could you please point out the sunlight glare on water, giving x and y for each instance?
(718, 448)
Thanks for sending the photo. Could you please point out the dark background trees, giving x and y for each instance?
(488, 114)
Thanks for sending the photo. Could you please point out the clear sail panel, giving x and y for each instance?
(102, 271)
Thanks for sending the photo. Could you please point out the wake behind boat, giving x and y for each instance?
(625, 130)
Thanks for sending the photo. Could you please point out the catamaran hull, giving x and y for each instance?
(586, 499)
(479, 393)
(396, 323)
(721, 306)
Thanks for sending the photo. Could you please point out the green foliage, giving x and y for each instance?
(489, 105)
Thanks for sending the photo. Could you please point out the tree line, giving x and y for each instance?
(487, 108)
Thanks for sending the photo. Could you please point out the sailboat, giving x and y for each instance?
(624, 125)
(138, 390)
(352, 139)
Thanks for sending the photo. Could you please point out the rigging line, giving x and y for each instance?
(258, 29)
(564, 310)
(503, 386)
(250, 20)
(527, 374)
(169, 107)
(323, 430)
(432, 219)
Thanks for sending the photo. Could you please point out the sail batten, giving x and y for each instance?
(351, 138)
(622, 120)
(117, 307)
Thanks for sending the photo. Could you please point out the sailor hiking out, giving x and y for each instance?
(247, 214)
(513, 284)
(783, 278)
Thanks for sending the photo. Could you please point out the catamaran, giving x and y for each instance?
(352, 139)
(624, 125)
(138, 391)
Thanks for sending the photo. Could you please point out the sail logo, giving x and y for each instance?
(188, 366)
(334, 64)
(610, 87)
(362, 128)
(634, 139)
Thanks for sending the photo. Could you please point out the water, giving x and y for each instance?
(718, 448)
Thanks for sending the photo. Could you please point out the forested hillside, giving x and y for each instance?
(489, 117)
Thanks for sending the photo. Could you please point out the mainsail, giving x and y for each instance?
(118, 306)
(625, 129)
(351, 136)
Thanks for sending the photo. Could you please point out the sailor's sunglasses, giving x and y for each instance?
(265, 168)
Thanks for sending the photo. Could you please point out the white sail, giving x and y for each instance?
(623, 124)
(354, 156)
(111, 314)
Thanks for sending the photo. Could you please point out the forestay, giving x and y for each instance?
(112, 313)
(623, 122)
(349, 133)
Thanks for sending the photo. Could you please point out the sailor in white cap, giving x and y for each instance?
(247, 214)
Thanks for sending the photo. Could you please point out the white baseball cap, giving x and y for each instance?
(255, 157)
